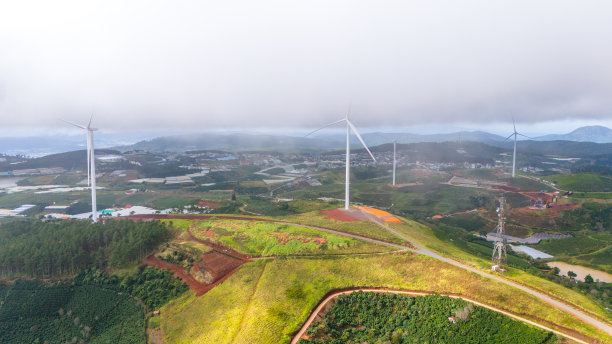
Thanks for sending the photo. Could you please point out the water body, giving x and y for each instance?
(9, 182)
(581, 272)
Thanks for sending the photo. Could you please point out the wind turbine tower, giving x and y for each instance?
(349, 126)
(91, 166)
(394, 160)
(515, 134)
(499, 250)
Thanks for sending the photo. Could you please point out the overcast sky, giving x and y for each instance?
(201, 65)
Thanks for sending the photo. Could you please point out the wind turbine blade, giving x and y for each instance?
(531, 138)
(76, 125)
(90, 119)
(508, 137)
(323, 127)
(513, 124)
(360, 139)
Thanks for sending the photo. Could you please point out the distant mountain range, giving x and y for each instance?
(251, 142)
(38, 146)
(595, 133)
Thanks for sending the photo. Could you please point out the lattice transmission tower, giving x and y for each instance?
(499, 250)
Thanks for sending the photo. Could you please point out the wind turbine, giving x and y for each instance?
(349, 126)
(515, 134)
(91, 166)
(394, 160)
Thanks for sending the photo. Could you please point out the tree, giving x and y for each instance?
(588, 279)
(571, 274)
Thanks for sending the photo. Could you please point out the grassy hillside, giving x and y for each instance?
(582, 182)
(270, 299)
(275, 239)
(429, 238)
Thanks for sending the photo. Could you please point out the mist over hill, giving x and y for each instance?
(235, 142)
(284, 143)
(595, 133)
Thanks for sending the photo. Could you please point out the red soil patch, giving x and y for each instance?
(199, 287)
(535, 195)
(219, 264)
(210, 204)
(219, 248)
(283, 239)
(339, 215)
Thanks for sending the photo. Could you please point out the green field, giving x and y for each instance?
(363, 228)
(597, 195)
(600, 260)
(34, 313)
(582, 182)
(266, 206)
(270, 299)
(528, 184)
(273, 239)
(576, 245)
(173, 202)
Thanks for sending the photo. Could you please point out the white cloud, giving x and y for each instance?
(243, 64)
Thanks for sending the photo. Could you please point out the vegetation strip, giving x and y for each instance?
(321, 305)
(246, 311)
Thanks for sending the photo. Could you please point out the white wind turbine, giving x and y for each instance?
(394, 160)
(515, 134)
(91, 166)
(349, 126)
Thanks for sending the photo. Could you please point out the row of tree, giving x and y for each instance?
(41, 249)
(388, 318)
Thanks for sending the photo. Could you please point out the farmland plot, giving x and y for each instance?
(272, 239)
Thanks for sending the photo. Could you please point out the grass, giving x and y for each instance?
(139, 198)
(597, 195)
(364, 228)
(575, 245)
(173, 202)
(424, 236)
(269, 300)
(600, 260)
(581, 182)
(266, 206)
(528, 184)
(273, 239)
(106, 198)
(214, 317)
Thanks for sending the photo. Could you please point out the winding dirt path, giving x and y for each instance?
(330, 297)
(592, 320)
(601, 325)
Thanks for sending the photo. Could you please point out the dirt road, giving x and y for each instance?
(561, 305)
(603, 326)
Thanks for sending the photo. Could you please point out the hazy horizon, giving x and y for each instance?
(143, 66)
